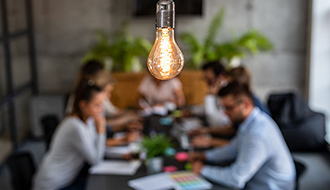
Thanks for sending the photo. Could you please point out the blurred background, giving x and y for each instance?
(43, 43)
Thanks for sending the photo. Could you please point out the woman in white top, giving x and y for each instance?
(158, 92)
(79, 139)
(117, 119)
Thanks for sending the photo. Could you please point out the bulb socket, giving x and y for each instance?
(165, 14)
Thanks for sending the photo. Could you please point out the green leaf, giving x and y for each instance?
(254, 41)
(122, 49)
(191, 41)
(213, 30)
(156, 146)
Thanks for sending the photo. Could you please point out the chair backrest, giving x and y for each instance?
(302, 128)
(21, 167)
(300, 169)
(288, 108)
(49, 124)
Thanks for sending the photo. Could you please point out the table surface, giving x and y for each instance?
(120, 182)
(106, 182)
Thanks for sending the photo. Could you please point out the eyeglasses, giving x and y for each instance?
(232, 107)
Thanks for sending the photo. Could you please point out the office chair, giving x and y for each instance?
(300, 169)
(49, 124)
(21, 168)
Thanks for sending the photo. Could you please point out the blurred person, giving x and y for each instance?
(219, 123)
(117, 120)
(87, 71)
(127, 121)
(241, 75)
(78, 141)
(214, 74)
(262, 159)
(158, 92)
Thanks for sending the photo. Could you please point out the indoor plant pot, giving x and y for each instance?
(155, 148)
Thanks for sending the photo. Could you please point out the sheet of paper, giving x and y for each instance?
(116, 167)
(117, 151)
(119, 135)
(153, 182)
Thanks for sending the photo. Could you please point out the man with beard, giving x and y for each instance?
(262, 159)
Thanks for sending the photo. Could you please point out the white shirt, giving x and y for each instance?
(108, 108)
(74, 143)
(154, 94)
(215, 116)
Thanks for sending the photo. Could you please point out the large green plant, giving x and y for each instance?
(209, 50)
(156, 146)
(125, 51)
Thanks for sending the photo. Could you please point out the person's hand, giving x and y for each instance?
(115, 142)
(100, 124)
(131, 117)
(197, 167)
(127, 156)
(187, 113)
(133, 136)
(214, 88)
(201, 141)
(196, 156)
(135, 126)
(198, 131)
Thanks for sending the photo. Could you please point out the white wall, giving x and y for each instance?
(319, 87)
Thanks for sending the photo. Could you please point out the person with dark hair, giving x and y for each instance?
(87, 71)
(91, 67)
(213, 71)
(78, 140)
(218, 121)
(261, 157)
(214, 74)
(117, 120)
(243, 76)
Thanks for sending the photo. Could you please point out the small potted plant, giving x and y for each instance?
(155, 147)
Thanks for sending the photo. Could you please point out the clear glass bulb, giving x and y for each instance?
(165, 60)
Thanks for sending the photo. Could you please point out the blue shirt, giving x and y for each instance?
(257, 103)
(262, 158)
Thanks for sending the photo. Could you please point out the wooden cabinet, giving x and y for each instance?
(126, 93)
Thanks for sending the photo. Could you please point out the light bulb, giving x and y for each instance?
(165, 60)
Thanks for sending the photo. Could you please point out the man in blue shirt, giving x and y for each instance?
(262, 159)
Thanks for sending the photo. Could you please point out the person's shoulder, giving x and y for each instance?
(146, 79)
(70, 123)
(262, 125)
(264, 119)
(175, 82)
(145, 83)
(261, 105)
